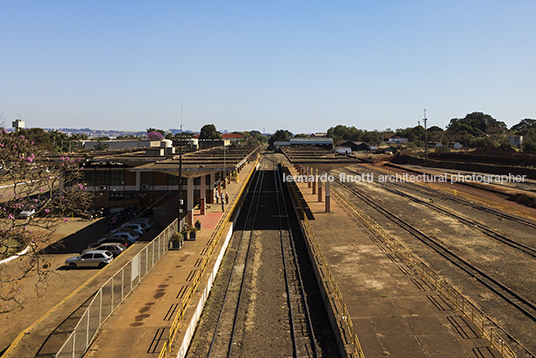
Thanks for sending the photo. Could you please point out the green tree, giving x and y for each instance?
(38, 136)
(61, 143)
(208, 131)
(524, 126)
(476, 124)
(529, 147)
(161, 131)
(344, 132)
(100, 146)
(281, 135)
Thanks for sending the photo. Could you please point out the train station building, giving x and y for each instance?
(164, 175)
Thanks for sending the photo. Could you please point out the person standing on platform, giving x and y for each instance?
(226, 198)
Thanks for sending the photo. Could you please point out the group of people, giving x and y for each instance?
(223, 197)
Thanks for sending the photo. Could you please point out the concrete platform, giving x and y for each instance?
(140, 325)
(394, 312)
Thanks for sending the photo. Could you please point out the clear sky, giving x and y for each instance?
(304, 66)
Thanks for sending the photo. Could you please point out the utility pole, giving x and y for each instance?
(425, 137)
(181, 202)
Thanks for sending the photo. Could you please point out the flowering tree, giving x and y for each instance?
(155, 135)
(37, 190)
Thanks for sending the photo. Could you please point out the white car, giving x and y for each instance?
(27, 213)
(92, 258)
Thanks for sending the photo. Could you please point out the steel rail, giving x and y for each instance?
(256, 190)
(494, 285)
(456, 199)
(472, 223)
(285, 270)
(297, 266)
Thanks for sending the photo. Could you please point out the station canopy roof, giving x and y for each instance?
(202, 162)
(317, 157)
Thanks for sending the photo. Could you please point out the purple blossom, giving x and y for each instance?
(47, 211)
(65, 220)
(10, 217)
(155, 135)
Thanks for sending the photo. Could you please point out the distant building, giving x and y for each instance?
(355, 146)
(121, 144)
(398, 140)
(318, 141)
(516, 140)
(343, 150)
(232, 137)
(18, 124)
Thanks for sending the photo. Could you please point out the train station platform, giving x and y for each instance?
(394, 311)
(168, 301)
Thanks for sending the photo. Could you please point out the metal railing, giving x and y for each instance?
(196, 279)
(479, 319)
(113, 292)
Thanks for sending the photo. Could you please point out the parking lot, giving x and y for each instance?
(70, 239)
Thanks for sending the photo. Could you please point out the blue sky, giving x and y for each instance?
(304, 66)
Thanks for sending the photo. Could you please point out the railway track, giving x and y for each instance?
(522, 304)
(466, 221)
(295, 331)
(461, 201)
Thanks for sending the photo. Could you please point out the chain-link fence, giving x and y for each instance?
(112, 293)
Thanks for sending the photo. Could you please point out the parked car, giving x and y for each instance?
(91, 258)
(114, 247)
(124, 235)
(124, 229)
(137, 228)
(26, 213)
(108, 240)
(144, 224)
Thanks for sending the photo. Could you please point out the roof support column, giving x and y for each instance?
(308, 173)
(138, 181)
(211, 189)
(190, 200)
(315, 175)
(224, 179)
(218, 194)
(328, 193)
(203, 194)
(319, 186)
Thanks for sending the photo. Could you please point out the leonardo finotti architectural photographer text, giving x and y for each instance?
(419, 178)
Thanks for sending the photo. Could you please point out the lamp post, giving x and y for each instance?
(425, 137)
(180, 173)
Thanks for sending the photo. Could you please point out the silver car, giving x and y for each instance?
(114, 248)
(136, 228)
(92, 258)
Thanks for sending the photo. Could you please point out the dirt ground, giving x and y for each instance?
(491, 256)
(70, 239)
